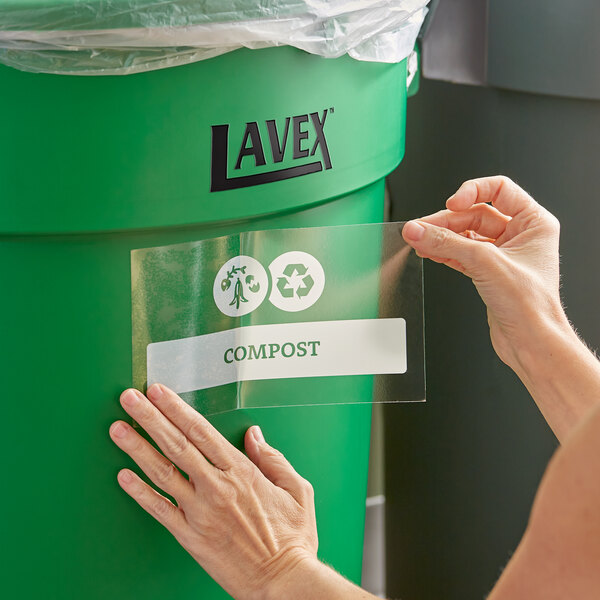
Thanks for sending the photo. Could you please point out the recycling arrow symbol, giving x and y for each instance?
(295, 272)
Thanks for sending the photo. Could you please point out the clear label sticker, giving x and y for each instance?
(327, 315)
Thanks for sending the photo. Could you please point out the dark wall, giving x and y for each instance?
(463, 468)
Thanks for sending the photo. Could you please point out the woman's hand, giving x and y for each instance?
(496, 234)
(249, 522)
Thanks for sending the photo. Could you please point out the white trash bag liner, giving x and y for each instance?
(120, 37)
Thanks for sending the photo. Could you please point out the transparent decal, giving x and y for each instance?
(324, 315)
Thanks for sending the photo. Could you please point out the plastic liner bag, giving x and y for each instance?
(326, 315)
(119, 37)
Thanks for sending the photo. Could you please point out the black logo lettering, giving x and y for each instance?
(277, 149)
(320, 141)
(300, 135)
(308, 136)
(255, 149)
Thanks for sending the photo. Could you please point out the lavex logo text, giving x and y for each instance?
(305, 133)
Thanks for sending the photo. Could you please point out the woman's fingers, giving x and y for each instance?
(275, 467)
(236, 521)
(442, 245)
(163, 510)
(161, 471)
(481, 218)
(195, 427)
(503, 193)
(175, 445)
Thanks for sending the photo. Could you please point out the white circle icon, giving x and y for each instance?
(240, 286)
(297, 281)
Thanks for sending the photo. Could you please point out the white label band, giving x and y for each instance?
(282, 351)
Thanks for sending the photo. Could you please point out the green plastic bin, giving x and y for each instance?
(93, 167)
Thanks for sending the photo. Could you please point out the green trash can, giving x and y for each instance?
(93, 167)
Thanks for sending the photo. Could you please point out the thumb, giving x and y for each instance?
(442, 245)
(274, 466)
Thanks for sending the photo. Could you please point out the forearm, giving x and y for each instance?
(561, 374)
(313, 580)
(559, 554)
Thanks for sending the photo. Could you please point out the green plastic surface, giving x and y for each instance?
(123, 154)
(67, 355)
(106, 153)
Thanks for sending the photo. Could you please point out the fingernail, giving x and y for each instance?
(118, 430)
(414, 231)
(155, 391)
(124, 476)
(129, 398)
(257, 434)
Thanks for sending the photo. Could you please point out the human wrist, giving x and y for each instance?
(548, 341)
(561, 374)
(286, 575)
